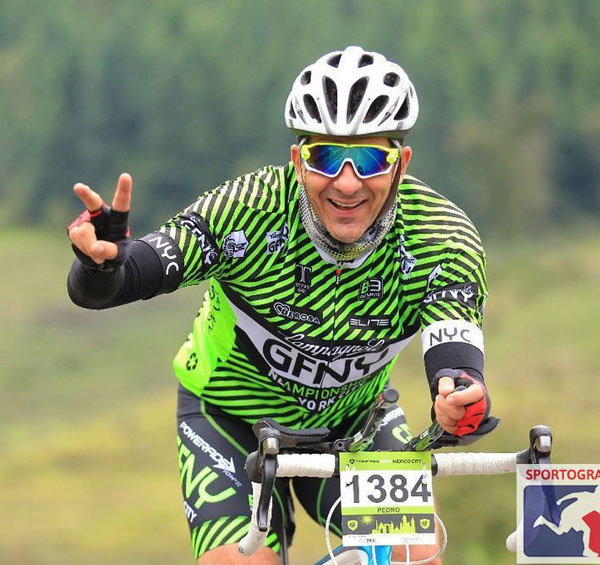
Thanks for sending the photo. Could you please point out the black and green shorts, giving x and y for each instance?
(217, 494)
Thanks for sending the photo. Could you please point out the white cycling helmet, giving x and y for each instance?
(352, 92)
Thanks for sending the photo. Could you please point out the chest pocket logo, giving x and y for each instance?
(303, 279)
(371, 288)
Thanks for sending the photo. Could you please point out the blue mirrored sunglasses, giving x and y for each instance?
(367, 160)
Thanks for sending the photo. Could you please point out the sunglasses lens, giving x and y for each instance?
(369, 161)
(329, 159)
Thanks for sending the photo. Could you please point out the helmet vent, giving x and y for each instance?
(330, 97)
(403, 111)
(391, 79)
(311, 107)
(335, 60)
(365, 60)
(305, 78)
(376, 106)
(357, 93)
(291, 111)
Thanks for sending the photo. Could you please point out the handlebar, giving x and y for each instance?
(324, 465)
(267, 463)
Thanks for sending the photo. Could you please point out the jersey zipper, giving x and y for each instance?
(338, 276)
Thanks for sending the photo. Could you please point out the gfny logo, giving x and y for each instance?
(277, 239)
(290, 363)
(463, 292)
(400, 431)
(198, 484)
(221, 463)
(197, 227)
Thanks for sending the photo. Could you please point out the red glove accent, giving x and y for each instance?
(85, 216)
(476, 412)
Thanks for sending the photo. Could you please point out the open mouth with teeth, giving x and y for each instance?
(341, 206)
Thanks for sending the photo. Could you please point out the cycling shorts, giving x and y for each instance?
(217, 494)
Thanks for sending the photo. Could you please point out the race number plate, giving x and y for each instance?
(387, 498)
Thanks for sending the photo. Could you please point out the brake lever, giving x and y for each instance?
(267, 484)
(538, 453)
(261, 466)
(540, 447)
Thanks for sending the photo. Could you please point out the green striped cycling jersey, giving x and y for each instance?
(284, 331)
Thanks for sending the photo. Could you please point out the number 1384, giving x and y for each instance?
(395, 488)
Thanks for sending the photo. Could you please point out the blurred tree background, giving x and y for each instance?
(184, 95)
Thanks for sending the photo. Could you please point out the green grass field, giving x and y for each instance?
(88, 471)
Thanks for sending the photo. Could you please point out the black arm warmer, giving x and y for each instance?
(453, 356)
(154, 266)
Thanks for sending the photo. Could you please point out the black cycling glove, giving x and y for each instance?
(110, 225)
(477, 421)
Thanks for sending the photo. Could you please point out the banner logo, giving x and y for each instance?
(559, 508)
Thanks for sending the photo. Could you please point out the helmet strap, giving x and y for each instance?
(391, 199)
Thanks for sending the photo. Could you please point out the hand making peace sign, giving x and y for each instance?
(101, 233)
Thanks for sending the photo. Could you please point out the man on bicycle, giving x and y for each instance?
(320, 272)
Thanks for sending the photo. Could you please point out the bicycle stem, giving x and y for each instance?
(364, 437)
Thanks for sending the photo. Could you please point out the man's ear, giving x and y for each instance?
(406, 156)
(295, 155)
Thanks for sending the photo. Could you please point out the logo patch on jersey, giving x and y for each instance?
(226, 466)
(370, 322)
(371, 288)
(482, 307)
(434, 275)
(198, 227)
(316, 372)
(407, 261)
(277, 239)
(303, 279)
(297, 313)
(290, 363)
(465, 293)
(451, 331)
(235, 244)
(168, 252)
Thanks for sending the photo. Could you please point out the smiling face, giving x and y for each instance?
(347, 205)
